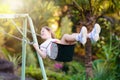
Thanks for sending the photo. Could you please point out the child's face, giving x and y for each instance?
(45, 34)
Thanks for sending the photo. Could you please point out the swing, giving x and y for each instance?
(24, 40)
(61, 52)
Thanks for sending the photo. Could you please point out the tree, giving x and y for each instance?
(86, 13)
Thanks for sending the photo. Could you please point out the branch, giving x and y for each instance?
(90, 6)
(77, 5)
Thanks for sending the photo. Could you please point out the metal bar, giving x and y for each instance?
(35, 40)
(24, 49)
(13, 15)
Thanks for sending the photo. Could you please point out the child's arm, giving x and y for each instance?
(42, 54)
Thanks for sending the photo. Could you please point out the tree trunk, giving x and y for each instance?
(88, 59)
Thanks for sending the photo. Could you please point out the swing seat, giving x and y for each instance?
(61, 52)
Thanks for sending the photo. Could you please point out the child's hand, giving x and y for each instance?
(35, 45)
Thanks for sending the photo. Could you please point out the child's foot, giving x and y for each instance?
(94, 34)
(82, 37)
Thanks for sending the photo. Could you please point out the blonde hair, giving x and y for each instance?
(49, 30)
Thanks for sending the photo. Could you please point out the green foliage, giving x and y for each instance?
(1, 37)
(76, 72)
(31, 58)
(66, 25)
(6, 29)
(43, 12)
(100, 6)
(37, 75)
(5, 9)
(117, 67)
(15, 59)
(63, 2)
(107, 66)
(106, 26)
(5, 52)
(80, 77)
(75, 67)
(104, 68)
(116, 6)
(33, 72)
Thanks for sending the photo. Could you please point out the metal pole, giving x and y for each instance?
(35, 40)
(12, 15)
(24, 48)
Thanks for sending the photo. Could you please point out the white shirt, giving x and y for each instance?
(45, 46)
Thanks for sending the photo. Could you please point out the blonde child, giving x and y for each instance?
(67, 39)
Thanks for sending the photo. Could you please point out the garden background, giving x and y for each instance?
(65, 16)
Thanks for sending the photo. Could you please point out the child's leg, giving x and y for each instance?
(71, 39)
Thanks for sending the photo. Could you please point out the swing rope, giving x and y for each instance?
(27, 41)
(19, 28)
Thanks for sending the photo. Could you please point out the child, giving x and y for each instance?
(67, 39)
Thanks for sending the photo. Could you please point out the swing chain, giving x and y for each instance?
(27, 41)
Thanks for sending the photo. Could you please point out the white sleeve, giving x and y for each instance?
(45, 45)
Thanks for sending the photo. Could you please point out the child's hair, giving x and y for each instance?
(49, 29)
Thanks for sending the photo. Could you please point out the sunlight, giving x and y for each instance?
(12, 15)
(54, 27)
(14, 4)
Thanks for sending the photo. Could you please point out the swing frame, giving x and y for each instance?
(26, 17)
